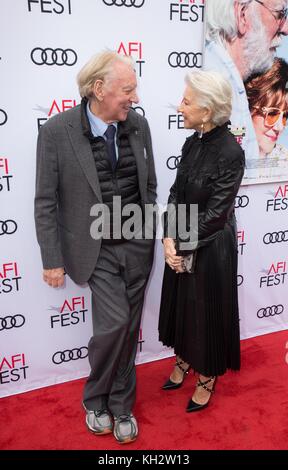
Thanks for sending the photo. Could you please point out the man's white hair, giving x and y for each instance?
(98, 68)
(220, 19)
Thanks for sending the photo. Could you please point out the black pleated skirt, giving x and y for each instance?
(199, 315)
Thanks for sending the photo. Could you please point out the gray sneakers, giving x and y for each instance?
(99, 421)
(125, 428)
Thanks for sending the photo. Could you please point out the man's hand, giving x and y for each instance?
(54, 277)
(171, 258)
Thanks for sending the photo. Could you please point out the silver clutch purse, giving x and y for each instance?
(188, 263)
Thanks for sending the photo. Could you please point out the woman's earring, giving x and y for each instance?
(201, 130)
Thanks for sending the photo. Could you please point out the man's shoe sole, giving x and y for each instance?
(100, 433)
(127, 441)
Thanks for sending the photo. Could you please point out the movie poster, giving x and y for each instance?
(247, 41)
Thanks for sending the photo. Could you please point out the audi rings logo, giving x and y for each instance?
(125, 3)
(270, 311)
(7, 227)
(241, 201)
(139, 110)
(240, 280)
(70, 355)
(56, 56)
(185, 59)
(3, 117)
(173, 162)
(11, 321)
(275, 237)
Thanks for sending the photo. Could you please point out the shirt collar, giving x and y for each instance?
(98, 127)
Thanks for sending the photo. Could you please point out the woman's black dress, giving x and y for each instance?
(199, 311)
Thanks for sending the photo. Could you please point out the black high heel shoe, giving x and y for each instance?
(192, 405)
(169, 384)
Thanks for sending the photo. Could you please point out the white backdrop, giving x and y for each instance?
(44, 332)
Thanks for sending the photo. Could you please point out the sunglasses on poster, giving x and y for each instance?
(272, 115)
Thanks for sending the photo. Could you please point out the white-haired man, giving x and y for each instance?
(241, 39)
(85, 157)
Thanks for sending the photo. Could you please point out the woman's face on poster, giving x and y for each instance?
(269, 124)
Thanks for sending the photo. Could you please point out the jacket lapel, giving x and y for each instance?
(83, 152)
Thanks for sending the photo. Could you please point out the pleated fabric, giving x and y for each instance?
(199, 315)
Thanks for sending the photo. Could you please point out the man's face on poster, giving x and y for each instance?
(267, 26)
(273, 20)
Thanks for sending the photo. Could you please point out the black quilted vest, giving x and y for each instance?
(123, 181)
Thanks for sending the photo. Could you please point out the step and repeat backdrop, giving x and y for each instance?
(44, 332)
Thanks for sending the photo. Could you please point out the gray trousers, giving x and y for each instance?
(118, 285)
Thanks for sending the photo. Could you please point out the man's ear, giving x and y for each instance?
(240, 11)
(98, 90)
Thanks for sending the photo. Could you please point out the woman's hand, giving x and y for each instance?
(171, 258)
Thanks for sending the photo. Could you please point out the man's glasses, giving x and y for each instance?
(272, 115)
(279, 15)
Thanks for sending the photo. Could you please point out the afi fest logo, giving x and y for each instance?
(279, 202)
(57, 106)
(9, 278)
(276, 275)
(13, 368)
(175, 121)
(5, 176)
(72, 312)
(241, 241)
(50, 6)
(135, 50)
(187, 10)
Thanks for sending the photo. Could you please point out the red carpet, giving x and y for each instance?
(248, 411)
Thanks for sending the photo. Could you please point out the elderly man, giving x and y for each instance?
(241, 39)
(86, 156)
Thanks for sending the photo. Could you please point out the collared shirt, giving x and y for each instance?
(99, 127)
(217, 58)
